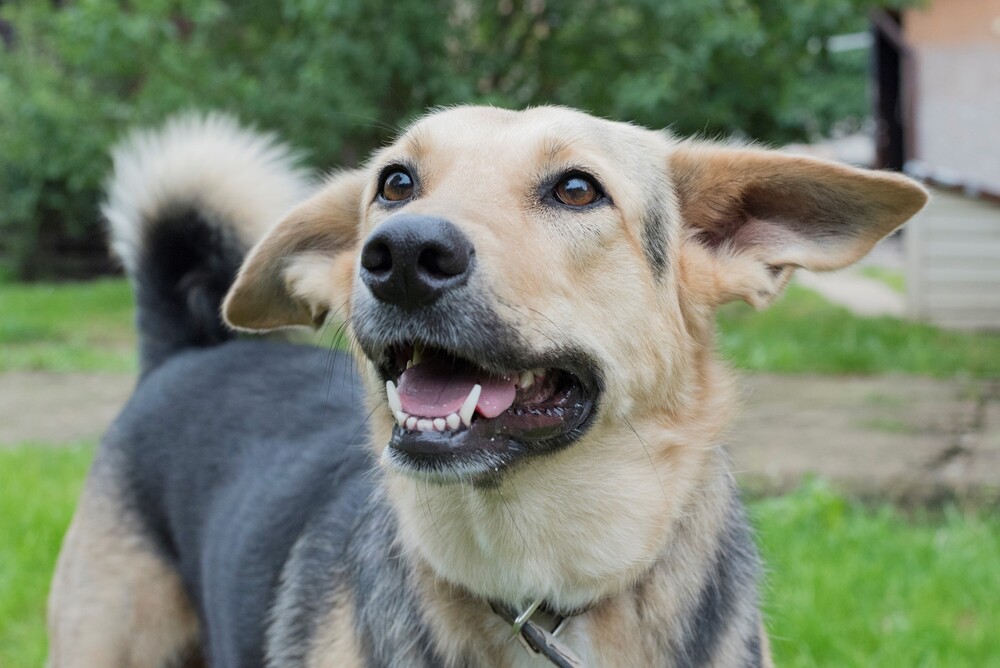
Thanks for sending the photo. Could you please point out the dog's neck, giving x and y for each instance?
(579, 525)
(626, 524)
(648, 615)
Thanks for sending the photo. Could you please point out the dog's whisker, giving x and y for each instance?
(515, 526)
(331, 356)
(427, 509)
(645, 449)
(535, 327)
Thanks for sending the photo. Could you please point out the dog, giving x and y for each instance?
(523, 465)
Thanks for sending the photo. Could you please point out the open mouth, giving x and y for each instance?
(454, 415)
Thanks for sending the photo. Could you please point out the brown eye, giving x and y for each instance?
(577, 190)
(397, 185)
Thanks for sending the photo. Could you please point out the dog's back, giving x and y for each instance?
(228, 447)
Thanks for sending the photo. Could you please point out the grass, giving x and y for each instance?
(848, 585)
(854, 586)
(88, 327)
(39, 487)
(804, 333)
(67, 327)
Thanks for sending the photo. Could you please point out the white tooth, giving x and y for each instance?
(409, 363)
(411, 423)
(469, 407)
(453, 421)
(418, 355)
(394, 403)
(423, 424)
(439, 424)
(401, 418)
(527, 380)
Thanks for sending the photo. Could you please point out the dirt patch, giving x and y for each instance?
(57, 408)
(911, 440)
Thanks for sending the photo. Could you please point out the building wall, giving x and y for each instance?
(956, 124)
(953, 262)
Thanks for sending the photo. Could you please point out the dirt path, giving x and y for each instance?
(56, 408)
(913, 440)
(907, 439)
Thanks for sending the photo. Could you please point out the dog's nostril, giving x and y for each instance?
(376, 257)
(410, 261)
(440, 262)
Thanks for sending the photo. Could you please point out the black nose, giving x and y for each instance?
(410, 261)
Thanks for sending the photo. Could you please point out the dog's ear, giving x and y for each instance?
(752, 216)
(289, 277)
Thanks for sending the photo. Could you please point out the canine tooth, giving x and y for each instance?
(418, 355)
(439, 424)
(453, 421)
(527, 380)
(394, 403)
(423, 424)
(411, 423)
(409, 363)
(469, 407)
(401, 418)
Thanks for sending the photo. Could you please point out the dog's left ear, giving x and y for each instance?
(752, 216)
(303, 264)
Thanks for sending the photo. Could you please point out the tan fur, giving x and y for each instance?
(625, 522)
(336, 645)
(310, 235)
(590, 523)
(114, 603)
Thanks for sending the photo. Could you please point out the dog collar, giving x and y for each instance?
(537, 627)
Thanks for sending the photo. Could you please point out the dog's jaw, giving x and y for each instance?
(575, 527)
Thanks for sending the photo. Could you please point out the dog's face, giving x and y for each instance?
(515, 279)
(532, 298)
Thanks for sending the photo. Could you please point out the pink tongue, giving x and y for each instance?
(437, 388)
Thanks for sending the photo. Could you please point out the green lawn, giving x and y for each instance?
(847, 585)
(856, 586)
(67, 327)
(804, 333)
(88, 327)
(39, 486)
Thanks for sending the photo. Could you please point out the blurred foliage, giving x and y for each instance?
(337, 78)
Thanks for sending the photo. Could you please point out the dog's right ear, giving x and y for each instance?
(752, 216)
(299, 269)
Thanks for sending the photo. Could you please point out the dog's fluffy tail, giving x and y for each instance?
(184, 203)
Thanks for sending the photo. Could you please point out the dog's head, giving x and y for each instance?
(532, 296)
(516, 280)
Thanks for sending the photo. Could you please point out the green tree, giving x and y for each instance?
(338, 78)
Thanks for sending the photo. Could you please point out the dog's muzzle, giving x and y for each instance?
(468, 396)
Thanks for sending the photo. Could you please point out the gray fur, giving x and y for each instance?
(389, 619)
(728, 592)
(370, 566)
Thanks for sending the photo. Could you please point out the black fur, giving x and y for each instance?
(187, 265)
